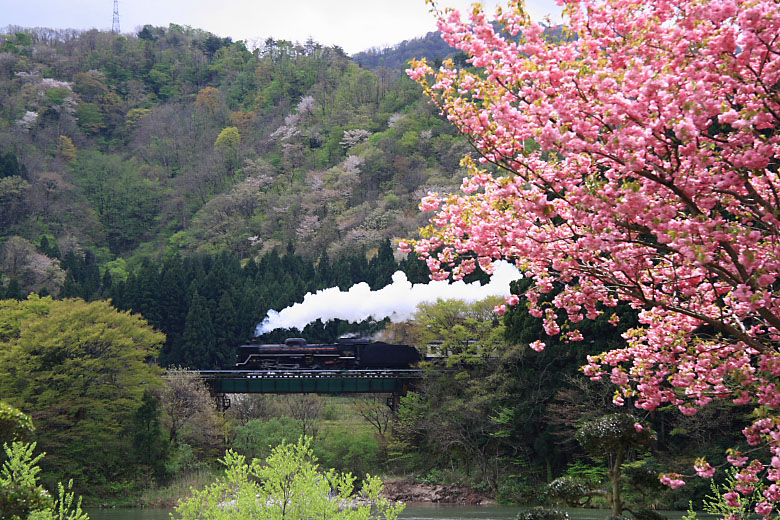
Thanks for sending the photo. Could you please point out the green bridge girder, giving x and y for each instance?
(310, 381)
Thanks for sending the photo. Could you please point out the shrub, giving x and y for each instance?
(541, 513)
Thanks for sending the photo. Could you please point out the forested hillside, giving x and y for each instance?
(431, 46)
(115, 148)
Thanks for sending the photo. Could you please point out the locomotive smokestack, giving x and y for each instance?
(398, 301)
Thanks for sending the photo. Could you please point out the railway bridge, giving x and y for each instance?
(333, 382)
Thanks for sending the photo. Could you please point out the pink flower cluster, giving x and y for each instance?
(672, 480)
(641, 164)
(703, 469)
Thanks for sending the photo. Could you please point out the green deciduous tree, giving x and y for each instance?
(287, 486)
(461, 332)
(227, 145)
(80, 369)
(67, 149)
(256, 438)
(90, 118)
(125, 201)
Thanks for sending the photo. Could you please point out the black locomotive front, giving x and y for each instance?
(345, 354)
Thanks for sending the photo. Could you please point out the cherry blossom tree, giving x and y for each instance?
(634, 159)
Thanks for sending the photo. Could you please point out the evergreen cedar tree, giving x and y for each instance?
(640, 164)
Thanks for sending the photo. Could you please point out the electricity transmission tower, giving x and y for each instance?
(115, 24)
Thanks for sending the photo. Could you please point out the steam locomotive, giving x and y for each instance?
(345, 354)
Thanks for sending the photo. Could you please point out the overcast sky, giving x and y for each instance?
(355, 25)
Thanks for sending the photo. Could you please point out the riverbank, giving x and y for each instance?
(404, 490)
(410, 491)
(181, 488)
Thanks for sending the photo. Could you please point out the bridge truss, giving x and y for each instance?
(334, 382)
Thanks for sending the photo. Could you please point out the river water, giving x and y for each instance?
(412, 512)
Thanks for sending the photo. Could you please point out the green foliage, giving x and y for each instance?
(287, 485)
(464, 334)
(592, 476)
(22, 498)
(543, 514)
(181, 460)
(257, 438)
(198, 340)
(614, 433)
(355, 452)
(449, 426)
(13, 423)
(571, 490)
(81, 369)
(150, 447)
(716, 504)
(125, 201)
(612, 436)
(90, 118)
(228, 141)
(14, 314)
(330, 413)
(9, 165)
(56, 96)
(20, 493)
(642, 477)
(160, 101)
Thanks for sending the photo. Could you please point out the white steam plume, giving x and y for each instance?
(397, 301)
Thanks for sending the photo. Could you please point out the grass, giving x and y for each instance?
(181, 487)
(338, 415)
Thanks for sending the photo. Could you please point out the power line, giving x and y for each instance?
(115, 23)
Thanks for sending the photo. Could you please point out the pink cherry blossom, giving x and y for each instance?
(638, 163)
(703, 469)
(731, 498)
(672, 480)
(764, 508)
(737, 460)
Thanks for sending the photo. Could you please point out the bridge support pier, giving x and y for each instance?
(223, 402)
(394, 401)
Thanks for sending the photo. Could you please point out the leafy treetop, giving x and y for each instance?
(287, 485)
